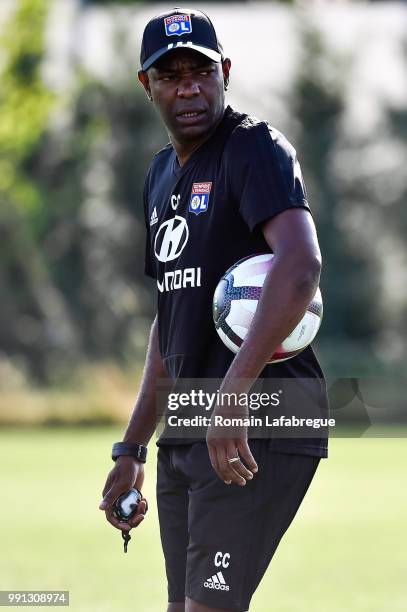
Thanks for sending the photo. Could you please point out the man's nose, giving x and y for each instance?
(188, 88)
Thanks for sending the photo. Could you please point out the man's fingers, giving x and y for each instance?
(111, 496)
(227, 472)
(116, 523)
(143, 506)
(238, 472)
(246, 454)
(135, 520)
(237, 466)
(132, 522)
(107, 500)
(107, 503)
(113, 493)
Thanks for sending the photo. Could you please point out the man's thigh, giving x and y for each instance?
(172, 504)
(219, 539)
(234, 531)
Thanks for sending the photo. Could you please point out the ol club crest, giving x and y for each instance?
(176, 25)
(199, 197)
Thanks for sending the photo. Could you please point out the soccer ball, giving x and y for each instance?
(235, 302)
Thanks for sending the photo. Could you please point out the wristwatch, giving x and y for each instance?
(138, 451)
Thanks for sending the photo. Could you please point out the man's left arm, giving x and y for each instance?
(288, 288)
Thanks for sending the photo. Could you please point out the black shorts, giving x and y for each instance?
(218, 539)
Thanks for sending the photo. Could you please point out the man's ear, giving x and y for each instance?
(144, 80)
(226, 66)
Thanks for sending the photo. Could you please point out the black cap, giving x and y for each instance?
(179, 28)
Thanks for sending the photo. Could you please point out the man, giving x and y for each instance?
(218, 538)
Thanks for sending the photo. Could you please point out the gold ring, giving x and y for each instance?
(233, 460)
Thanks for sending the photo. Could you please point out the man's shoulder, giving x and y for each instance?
(160, 160)
(250, 132)
(163, 156)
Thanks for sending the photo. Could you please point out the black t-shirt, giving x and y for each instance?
(202, 218)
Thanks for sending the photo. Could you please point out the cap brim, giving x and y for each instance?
(210, 53)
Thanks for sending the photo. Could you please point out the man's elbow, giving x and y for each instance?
(308, 275)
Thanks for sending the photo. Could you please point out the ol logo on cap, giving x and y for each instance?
(176, 25)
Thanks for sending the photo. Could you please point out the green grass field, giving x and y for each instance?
(344, 552)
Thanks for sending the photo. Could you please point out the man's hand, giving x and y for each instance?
(227, 442)
(126, 474)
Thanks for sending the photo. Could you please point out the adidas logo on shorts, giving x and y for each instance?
(154, 217)
(216, 582)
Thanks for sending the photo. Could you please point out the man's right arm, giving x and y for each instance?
(128, 472)
(142, 423)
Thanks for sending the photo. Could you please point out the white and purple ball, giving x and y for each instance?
(235, 302)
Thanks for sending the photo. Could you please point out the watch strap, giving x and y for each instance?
(138, 451)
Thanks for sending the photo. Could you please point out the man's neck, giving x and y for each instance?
(184, 150)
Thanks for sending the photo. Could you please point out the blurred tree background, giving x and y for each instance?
(72, 234)
(71, 218)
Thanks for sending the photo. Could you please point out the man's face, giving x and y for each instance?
(188, 91)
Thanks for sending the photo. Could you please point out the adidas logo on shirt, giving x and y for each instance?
(216, 582)
(154, 217)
